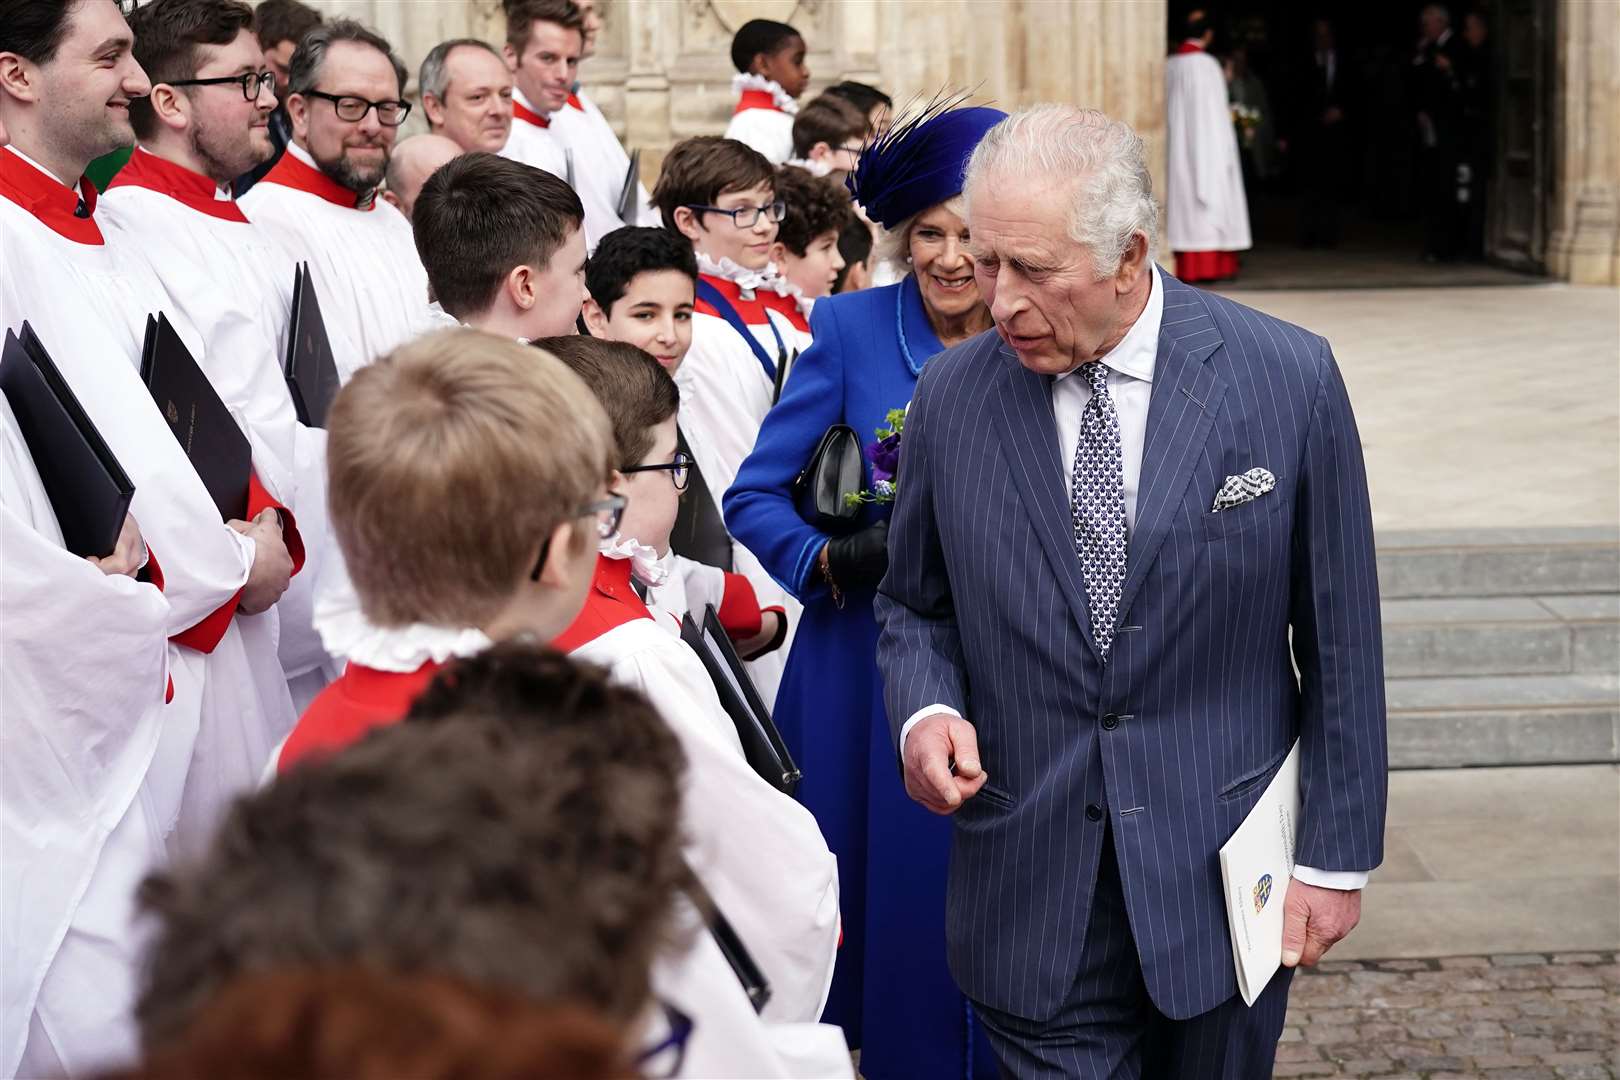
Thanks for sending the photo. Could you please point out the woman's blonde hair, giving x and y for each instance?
(893, 246)
(449, 462)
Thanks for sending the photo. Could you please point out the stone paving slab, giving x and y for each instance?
(1511, 1016)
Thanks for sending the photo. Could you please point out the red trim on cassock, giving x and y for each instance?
(357, 702)
(51, 203)
(739, 612)
(148, 170)
(293, 173)
(789, 308)
(1195, 266)
(573, 99)
(757, 99)
(611, 603)
(522, 112)
(205, 635)
(752, 311)
(1189, 47)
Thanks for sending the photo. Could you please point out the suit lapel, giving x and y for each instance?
(1186, 394)
(1030, 442)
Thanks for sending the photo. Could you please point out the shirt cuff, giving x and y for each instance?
(1346, 880)
(922, 714)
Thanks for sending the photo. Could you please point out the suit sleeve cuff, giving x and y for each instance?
(922, 714)
(1346, 880)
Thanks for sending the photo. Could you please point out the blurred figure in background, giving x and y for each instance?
(1321, 139)
(415, 160)
(279, 25)
(1208, 212)
(1442, 189)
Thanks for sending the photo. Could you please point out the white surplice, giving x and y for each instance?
(1205, 204)
(81, 711)
(764, 117)
(233, 283)
(600, 168)
(532, 141)
(372, 288)
(758, 852)
(88, 302)
(729, 1040)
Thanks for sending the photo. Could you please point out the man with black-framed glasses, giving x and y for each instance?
(344, 97)
(204, 123)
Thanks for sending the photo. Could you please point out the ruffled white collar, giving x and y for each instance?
(779, 96)
(814, 168)
(769, 278)
(397, 648)
(646, 565)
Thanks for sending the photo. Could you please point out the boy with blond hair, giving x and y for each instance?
(467, 476)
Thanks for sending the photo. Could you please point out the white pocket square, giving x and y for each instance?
(1242, 488)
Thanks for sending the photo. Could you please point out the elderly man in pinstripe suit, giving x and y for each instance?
(1131, 561)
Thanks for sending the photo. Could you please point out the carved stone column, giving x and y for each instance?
(1584, 245)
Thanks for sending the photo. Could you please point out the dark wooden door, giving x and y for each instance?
(1519, 184)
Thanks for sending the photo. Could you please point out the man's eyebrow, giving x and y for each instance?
(120, 42)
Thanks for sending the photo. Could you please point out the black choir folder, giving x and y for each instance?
(629, 205)
(88, 488)
(311, 370)
(762, 743)
(207, 431)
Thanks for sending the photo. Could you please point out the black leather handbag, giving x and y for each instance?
(836, 470)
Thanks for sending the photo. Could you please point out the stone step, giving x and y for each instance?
(1506, 635)
(1503, 720)
(1498, 562)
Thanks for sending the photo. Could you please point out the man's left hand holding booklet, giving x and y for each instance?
(1257, 864)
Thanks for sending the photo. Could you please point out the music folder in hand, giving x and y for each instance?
(310, 367)
(87, 487)
(200, 420)
(762, 743)
(629, 207)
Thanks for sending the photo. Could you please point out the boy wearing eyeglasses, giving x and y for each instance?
(721, 196)
(345, 100)
(757, 851)
(468, 481)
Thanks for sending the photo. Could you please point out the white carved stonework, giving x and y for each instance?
(733, 13)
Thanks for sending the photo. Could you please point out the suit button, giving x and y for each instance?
(1110, 721)
(1093, 812)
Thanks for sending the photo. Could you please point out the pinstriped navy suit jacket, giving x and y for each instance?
(984, 609)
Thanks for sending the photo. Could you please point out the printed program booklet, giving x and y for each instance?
(1256, 866)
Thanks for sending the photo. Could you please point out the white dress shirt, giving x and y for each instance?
(1130, 383)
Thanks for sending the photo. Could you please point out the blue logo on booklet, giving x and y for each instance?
(1262, 892)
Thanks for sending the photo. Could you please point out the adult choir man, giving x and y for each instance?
(467, 94)
(279, 26)
(413, 161)
(1208, 211)
(601, 166)
(66, 79)
(544, 41)
(204, 123)
(344, 98)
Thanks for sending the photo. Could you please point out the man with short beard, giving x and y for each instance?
(320, 201)
(204, 123)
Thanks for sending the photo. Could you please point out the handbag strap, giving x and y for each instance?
(717, 300)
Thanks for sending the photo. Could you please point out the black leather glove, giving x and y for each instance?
(859, 559)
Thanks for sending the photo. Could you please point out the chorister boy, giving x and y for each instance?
(642, 284)
(467, 476)
(771, 74)
(806, 249)
(721, 196)
(757, 851)
(828, 136)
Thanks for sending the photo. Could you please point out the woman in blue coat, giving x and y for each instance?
(892, 992)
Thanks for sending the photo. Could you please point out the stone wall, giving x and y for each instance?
(1584, 245)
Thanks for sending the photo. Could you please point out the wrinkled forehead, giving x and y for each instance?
(554, 38)
(1018, 215)
(360, 70)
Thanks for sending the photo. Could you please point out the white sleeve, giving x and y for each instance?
(1346, 880)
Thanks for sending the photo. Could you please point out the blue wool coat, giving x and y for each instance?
(892, 992)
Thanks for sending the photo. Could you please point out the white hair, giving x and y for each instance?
(1112, 192)
(892, 247)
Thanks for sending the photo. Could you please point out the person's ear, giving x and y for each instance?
(298, 114)
(510, 55)
(1132, 263)
(819, 152)
(757, 65)
(520, 286)
(563, 555)
(393, 200)
(686, 223)
(19, 78)
(433, 109)
(778, 251)
(165, 102)
(596, 319)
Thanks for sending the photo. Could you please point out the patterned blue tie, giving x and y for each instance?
(1097, 501)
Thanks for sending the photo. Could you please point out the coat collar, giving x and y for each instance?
(193, 189)
(296, 170)
(56, 206)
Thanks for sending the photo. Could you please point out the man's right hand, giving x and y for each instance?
(932, 747)
(128, 556)
(272, 565)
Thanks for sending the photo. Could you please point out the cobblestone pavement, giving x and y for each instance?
(1515, 1017)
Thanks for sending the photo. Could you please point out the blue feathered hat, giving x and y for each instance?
(918, 163)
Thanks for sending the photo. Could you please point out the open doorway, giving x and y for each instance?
(1365, 167)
